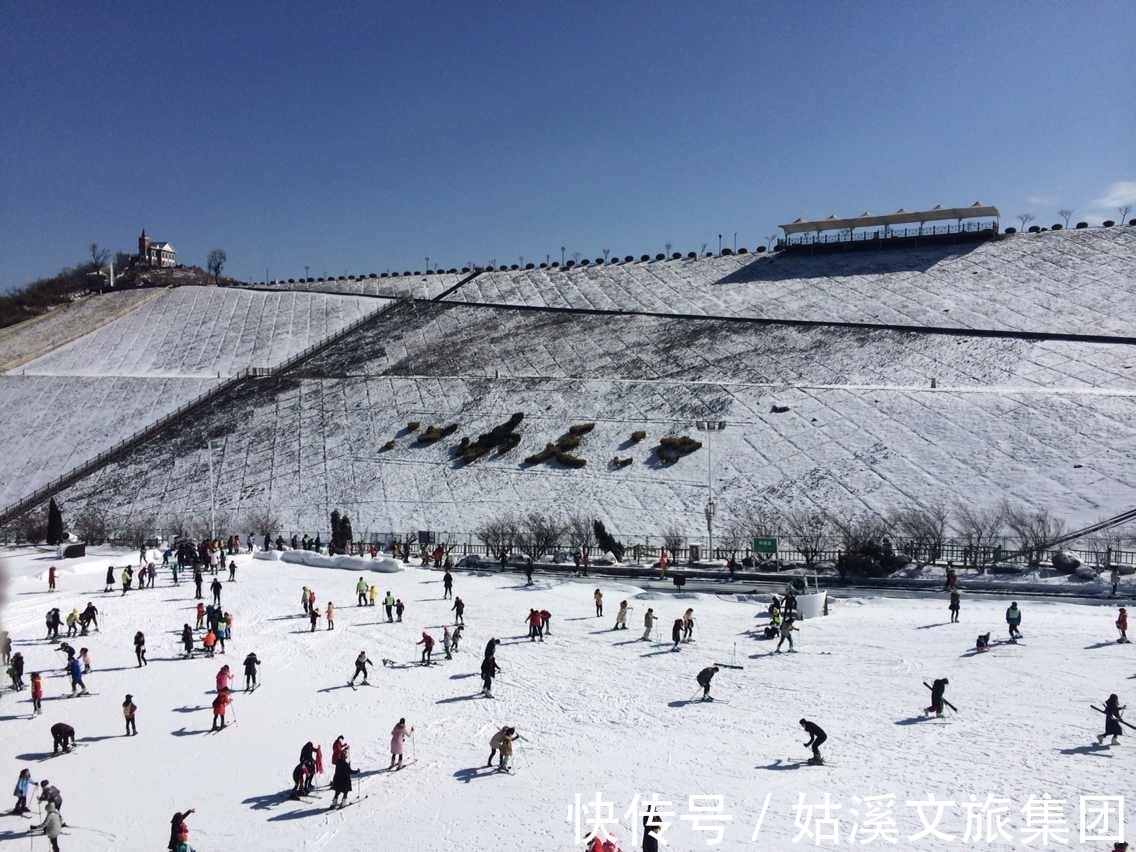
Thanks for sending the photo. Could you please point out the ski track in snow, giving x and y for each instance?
(600, 710)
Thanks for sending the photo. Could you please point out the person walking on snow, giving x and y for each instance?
(220, 705)
(787, 630)
(1122, 625)
(251, 662)
(648, 624)
(198, 579)
(388, 606)
(224, 678)
(446, 641)
(502, 742)
(361, 592)
(304, 599)
(676, 633)
(187, 640)
(75, 669)
(361, 663)
(597, 596)
(704, 678)
(489, 670)
(215, 587)
(458, 609)
(52, 826)
(51, 579)
(330, 615)
(621, 616)
(23, 783)
(399, 733)
(1013, 621)
(456, 637)
(399, 609)
(109, 583)
(37, 694)
(817, 737)
(954, 606)
(1112, 719)
(535, 624)
(313, 617)
(938, 690)
(427, 643)
(688, 625)
(129, 709)
(447, 585)
(140, 649)
(232, 571)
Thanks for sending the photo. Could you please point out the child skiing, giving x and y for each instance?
(816, 739)
(37, 694)
(458, 610)
(1112, 719)
(75, 669)
(220, 705)
(361, 663)
(938, 689)
(535, 623)
(140, 649)
(251, 662)
(489, 670)
(330, 616)
(621, 616)
(399, 608)
(1013, 621)
(787, 630)
(1122, 625)
(427, 643)
(982, 643)
(704, 678)
(597, 596)
(648, 624)
(200, 615)
(224, 677)
(446, 641)
(688, 625)
(23, 783)
(676, 633)
(129, 709)
(954, 606)
(399, 733)
(502, 742)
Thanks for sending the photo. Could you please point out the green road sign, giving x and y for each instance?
(765, 545)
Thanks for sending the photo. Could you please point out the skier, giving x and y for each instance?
(388, 605)
(1114, 577)
(304, 599)
(89, 617)
(489, 670)
(676, 633)
(51, 826)
(251, 662)
(491, 647)
(457, 637)
(535, 625)
(597, 596)
(1112, 719)
(938, 688)
(311, 599)
(21, 792)
(48, 792)
(1013, 620)
(704, 678)
(140, 649)
(458, 609)
(330, 615)
(502, 742)
(361, 592)
(72, 623)
(545, 622)
(982, 643)
(62, 737)
(816, 739)
(786, 631)
(427, 643)
(215, 587)
(109, 584)
(1122, 625)
(528, 571)
(65, 648)
(621, 616)
(338, 749)
(399, 733)
(179, 831)
(220, 705)
(399, 608)
(372, 593)
(447, 585)
(209, 642)
(51, 579)
(688, 625)
(648, 624)
(129, 709)
(224, 678)
(187, 640)
(341, 779)
(301, 775)
(232, 571)
(198, 579)
(76, 671)
(200, 616)
(361, 663)
(127, 579)
(37, 694)
(313, 616)
(954, 606)
(16, 671)
(308, 759)
(446, 642)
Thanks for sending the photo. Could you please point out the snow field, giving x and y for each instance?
(600, 711)
(416, 286)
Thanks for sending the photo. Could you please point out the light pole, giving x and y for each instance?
(212, 493)
(735, 242)
(719, 245)
(306, 269)
(710, 426)
(427, 264)
(562, 256)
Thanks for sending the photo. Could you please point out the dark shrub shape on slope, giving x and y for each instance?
(671, 448)
(502, 435)
(433, 433)
(637, 436)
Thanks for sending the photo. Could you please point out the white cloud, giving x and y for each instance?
(1121, 193)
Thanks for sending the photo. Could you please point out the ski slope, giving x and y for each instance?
(395, 286)
(600, 712)
(1066, 281)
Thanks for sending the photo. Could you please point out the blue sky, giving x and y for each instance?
(365, 137)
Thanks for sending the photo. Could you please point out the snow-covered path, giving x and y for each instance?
(600, 712)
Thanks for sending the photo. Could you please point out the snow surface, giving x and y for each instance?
(205, 331)
(416, 286)
(1065, 281)
(599, 710)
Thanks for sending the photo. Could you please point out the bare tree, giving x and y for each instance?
(32, 525)
(1106, 544)
(1066, 214)
(538, 534)
(924, 529)
(1035, 531)
(978, 528)
(216, 262)
(136, 529)
(580, 532)
(99, 256)
(668, 246)
(499, 535)
(1025, 219)
(862, 537)
(262, 522)
(1123, 211)
(770, 240)
(673, 540)
(807, 530)
(606, 252)
(92, 524)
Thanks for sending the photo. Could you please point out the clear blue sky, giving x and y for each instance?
(357, 137)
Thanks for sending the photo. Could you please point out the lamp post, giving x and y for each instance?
(710, 426)
(427, 264)
(212, 493)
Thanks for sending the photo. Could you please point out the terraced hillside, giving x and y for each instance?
(1067, 281)
(394, 286)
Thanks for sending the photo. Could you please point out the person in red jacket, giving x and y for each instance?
(200, 615)
(220, 704)
(51, 579)
(1122, 625)
(37, 694)
(545, 623)
(338, 749)
(427, 643)
(223, 678)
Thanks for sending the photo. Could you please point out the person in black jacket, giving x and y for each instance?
(251, 662)
(447, 585)
(140, 649)
(458, 610)
(816, 738)
(489, 669)
(308, 759)
(704, 678)
(491, 647)
(676, 633)
(938, 688)
(187, 639)
(652, 825)
(341, 780)
(62, 736)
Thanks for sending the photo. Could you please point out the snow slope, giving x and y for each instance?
(204, 331)
(395, 286)
(1066, 281)
(600, 712)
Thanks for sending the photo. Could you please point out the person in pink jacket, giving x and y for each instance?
(223, 678)
(399, 733)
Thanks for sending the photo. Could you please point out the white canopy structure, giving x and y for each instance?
(978, 210)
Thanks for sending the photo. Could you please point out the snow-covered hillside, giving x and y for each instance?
(1067, 281)
(395, 286)
(204, 331)
(600, 713)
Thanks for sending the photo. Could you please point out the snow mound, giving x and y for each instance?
(380, 564)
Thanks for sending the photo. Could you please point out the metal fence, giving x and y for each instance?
(877, 234)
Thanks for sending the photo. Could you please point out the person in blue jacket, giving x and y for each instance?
(1013, 621)
(75, 669)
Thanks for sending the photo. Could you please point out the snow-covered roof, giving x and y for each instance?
(977, 210)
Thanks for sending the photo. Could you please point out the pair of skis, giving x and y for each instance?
(1121, 721)
(944, 699)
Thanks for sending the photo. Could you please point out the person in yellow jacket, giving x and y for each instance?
(330, 615)
(373, 593)
(73, 622)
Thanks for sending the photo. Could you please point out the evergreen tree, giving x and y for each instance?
(334, 543)
(54, 523)
(607, 541)
(345, 534)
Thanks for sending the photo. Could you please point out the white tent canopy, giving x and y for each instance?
(978, 210)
